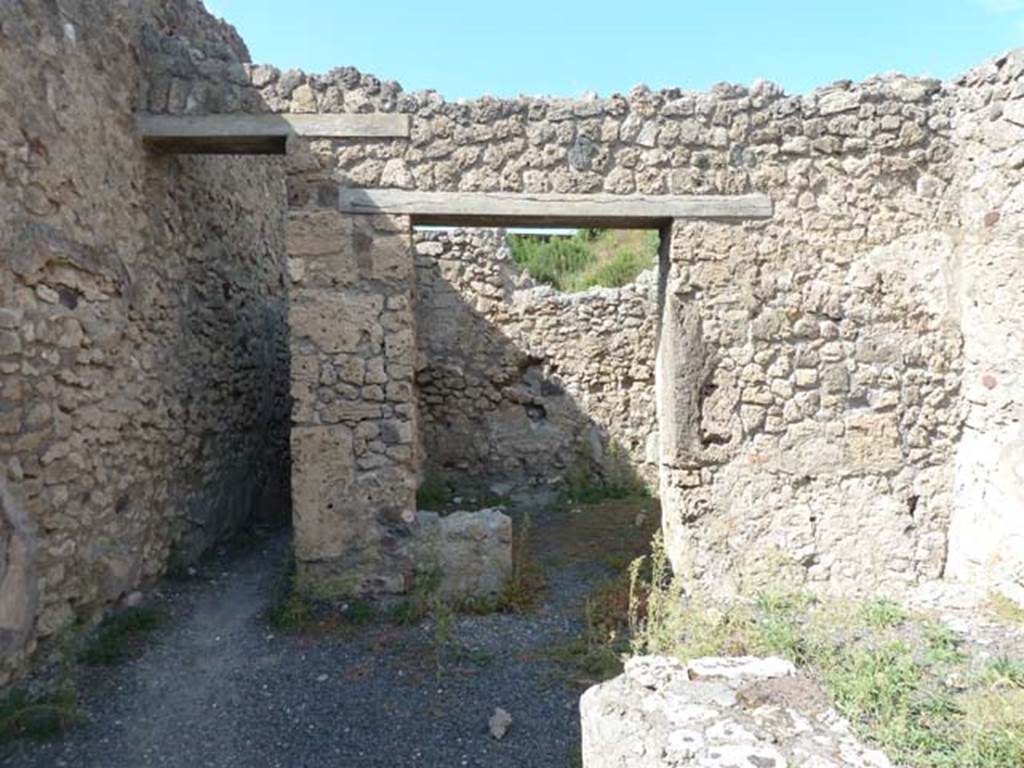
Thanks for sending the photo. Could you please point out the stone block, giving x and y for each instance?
(337, 321)
(322, 476)
(872, 442)
(471, 552)
(318, 233)
(382, 253)
(663, 713)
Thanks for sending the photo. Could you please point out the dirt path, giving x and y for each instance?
(218, 687)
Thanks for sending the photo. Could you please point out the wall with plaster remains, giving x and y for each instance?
(525, 391)
(143, 351)
(986, 538)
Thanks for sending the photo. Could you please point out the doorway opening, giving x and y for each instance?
(535, 364)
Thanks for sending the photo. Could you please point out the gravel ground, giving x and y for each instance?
(218, 687)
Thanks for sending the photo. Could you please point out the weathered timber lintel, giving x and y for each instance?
(263, 134)
(488, 209)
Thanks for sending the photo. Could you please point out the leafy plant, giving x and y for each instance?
(554, 261)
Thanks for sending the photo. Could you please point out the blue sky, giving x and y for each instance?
(464, 49)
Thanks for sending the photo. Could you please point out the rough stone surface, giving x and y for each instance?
(809, 366)
(814, 403)
(143, 352)
(352, 332)
(757, 714)
(838, 388)
(499, 723)
(470, 552)
(523, 388)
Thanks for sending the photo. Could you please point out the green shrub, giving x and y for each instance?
(555, 261)
(590, 258)
(622, 269)
(433, 495)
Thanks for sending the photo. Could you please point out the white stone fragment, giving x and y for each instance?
(740, 666)
(499, 723)
(655, 715)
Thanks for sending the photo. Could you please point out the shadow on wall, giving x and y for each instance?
(526, 394)
(233, 389)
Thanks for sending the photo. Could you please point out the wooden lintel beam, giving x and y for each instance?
(244, 134)
(488, 209)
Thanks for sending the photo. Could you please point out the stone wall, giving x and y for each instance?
(524, 390)
(810, 371)
(833, 384)
(143, 401)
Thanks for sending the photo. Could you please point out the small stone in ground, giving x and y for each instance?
(499, 723)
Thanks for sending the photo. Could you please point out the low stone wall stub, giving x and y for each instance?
(468, 554)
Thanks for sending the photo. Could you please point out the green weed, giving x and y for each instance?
(41, 717)
(942, 644)
(293, 614)
(883, 613)
(119, 635)
(444, 617)
(886, 670)
(434, 494)
(527, 583)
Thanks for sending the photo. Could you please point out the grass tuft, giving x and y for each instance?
(42, 717)
(38, 718)
(883, 613)
(1004, 609)
(119, 635)
(527, 583)
(894, 676)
